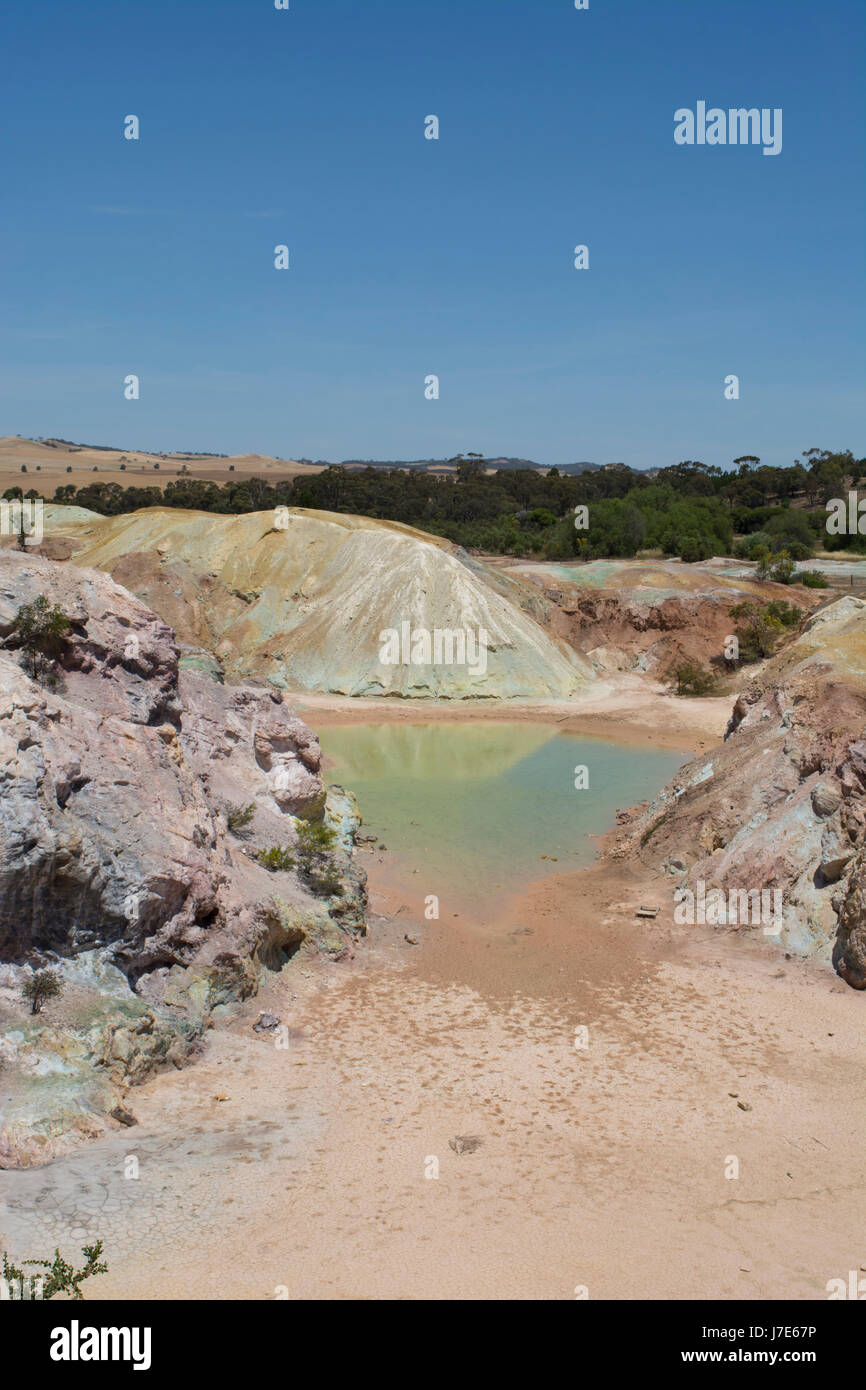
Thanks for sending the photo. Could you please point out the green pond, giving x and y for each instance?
(474, 807)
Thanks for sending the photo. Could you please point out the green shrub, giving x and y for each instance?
(239, 818)
(316, 837)
(759, 629)
(317, 867)
(61, 1277)
(810, 579)
(779, 567)
(40, 987)
(41, 632)
(541, 516)
(788, 614)
(277, 859)
(749, 546)
(692, 548)
(692, 679)
(790, 531)
(324, 881)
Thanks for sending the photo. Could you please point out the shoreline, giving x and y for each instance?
(627, 712)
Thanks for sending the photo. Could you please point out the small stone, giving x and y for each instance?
(413, 940)
(825, 799)
(465, 1144)
(743, 1105)
(123, 1116)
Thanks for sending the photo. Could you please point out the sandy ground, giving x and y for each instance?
(326, 1169)
(602, 1160)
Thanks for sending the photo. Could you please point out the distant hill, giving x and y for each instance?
(438, 465)
(55, 458)
(489, 464)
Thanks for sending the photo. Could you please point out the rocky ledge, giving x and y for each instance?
(780, 805)
(137, 792)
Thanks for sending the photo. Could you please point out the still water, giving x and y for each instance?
(474, 807)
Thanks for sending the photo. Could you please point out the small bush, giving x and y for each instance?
(277, 859)
(694, 548)
(810, 579)
(41, 632)
(325, 883)
(759, 629)
(318, 870)
(748, 547)
(41, 986)
(779, 568)
(316, 837)
(692, 679)
(788, 614)
(241, 817)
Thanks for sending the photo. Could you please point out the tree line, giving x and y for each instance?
(688, 509)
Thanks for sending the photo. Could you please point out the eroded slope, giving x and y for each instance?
(303, 600)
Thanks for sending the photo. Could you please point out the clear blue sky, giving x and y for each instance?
(411, 256)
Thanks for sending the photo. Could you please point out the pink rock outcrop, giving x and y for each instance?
(781, 804)
(117, 777)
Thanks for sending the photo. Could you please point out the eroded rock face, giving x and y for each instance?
(646, 617)
(116, 783)
(781, 804)
(850, 953)
(119, 774)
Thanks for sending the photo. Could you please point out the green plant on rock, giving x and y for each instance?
(41, 632)
(277, 859)
(240, 818)
(60, 1277)
(315, 838)
(788, 614)
(319, 872)
(324, 880)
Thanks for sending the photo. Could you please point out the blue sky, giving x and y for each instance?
(411, 257)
